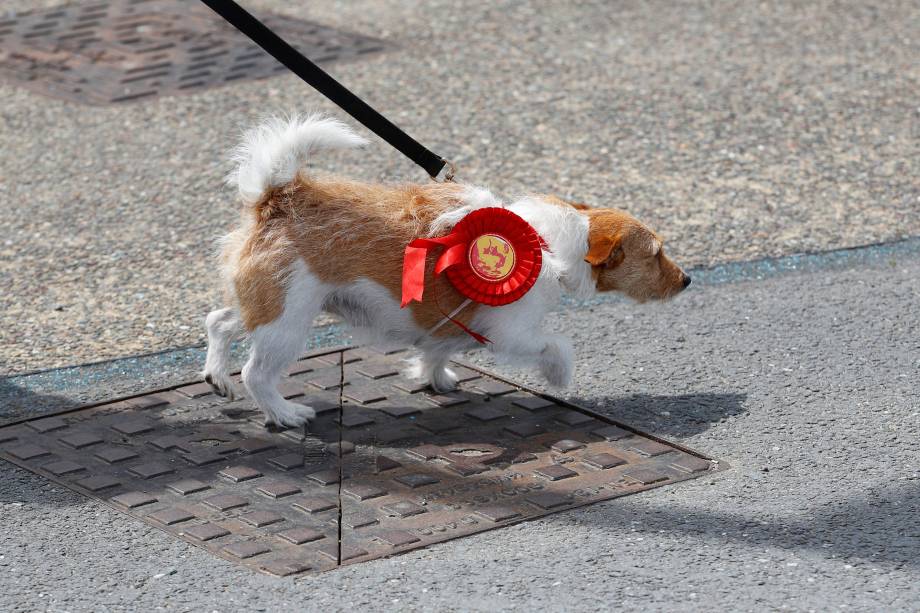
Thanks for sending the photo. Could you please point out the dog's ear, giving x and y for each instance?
(605, 250)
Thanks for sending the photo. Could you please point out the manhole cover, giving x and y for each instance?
(110, 52)
(385, 470)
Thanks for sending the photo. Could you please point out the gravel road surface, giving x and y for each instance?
(738, 129)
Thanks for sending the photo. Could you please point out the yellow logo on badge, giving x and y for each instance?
(491, 257)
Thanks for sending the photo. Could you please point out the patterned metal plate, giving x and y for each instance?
(125, 50)
(386, 467)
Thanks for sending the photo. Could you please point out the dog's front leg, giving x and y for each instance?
(552, 353)
(557, 360)
(432, 367)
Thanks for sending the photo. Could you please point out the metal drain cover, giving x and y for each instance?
(385, 470)
(110, 52)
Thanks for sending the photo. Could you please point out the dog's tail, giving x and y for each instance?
(271, 154)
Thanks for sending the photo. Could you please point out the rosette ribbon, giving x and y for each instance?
(492, 256)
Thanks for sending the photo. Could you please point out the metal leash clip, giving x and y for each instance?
(449, 175)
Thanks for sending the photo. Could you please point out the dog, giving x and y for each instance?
(308, 243)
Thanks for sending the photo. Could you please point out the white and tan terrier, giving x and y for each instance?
(308, 244)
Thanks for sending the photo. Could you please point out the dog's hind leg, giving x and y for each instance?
(277, 344)
(223, 328)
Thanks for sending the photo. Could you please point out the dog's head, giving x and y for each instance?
(627, 256)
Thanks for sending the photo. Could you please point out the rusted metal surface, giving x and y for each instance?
(125, 50)
(397, 469)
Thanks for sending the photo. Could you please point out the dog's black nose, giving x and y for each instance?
(687, 280)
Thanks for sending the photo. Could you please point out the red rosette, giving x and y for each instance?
(491, 256)
(502, 260)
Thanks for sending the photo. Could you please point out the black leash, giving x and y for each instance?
(297, 63)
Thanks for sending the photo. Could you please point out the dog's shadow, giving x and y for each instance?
(676, 416)
(669, 416)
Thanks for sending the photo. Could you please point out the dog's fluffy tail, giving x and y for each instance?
(271, 154)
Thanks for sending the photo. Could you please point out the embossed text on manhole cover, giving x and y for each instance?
(386, 467)
(124, 50)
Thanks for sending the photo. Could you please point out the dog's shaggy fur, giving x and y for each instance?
(307, 244)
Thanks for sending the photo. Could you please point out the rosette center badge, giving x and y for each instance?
(491, 257)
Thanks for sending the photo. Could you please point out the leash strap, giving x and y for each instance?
(297, 63)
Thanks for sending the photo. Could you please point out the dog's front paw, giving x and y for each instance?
(557, 362)
(440, 378)
(291, 415)
(443, 380)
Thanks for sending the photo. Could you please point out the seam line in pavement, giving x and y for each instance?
(339, 452)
